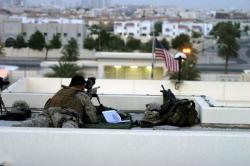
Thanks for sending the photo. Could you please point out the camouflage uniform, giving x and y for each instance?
(68, 108)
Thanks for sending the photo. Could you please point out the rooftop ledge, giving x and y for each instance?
(216, 102)
(144, 147)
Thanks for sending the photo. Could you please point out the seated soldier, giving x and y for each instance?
(70, 107)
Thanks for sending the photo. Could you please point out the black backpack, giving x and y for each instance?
(182, 114)
(177, 112)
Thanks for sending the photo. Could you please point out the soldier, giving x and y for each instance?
(70, 107)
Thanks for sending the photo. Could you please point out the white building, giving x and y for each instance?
(133, 28)
(173, 29)
(66, 28)
(188, 14)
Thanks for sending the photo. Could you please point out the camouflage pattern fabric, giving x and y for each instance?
(40, 121)
(62, 117)
(53, 117)
(151, 113)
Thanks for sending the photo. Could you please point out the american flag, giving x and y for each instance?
(161, 52)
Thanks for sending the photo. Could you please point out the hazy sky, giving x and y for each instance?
(226, 4)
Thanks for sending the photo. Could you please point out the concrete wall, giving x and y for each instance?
(43, 88)
(54, 53)
(212, 113)
(218, 90)
(93, 147)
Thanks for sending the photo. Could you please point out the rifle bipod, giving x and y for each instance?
(97, 98)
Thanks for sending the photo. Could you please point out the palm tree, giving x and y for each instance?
(64, 70)
(54, 43)
(227, 32)
(70, 51)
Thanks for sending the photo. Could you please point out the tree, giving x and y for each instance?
(103, 40)
(1, 49)
(246, 28)
(196, 34)
(70, 51)
(165, 43)
(64, 70)
(55, 42)
(37, 41)
(89, 43)
(133, 44)
(158, 28)
(20, 42)
(189, 70)
(116, 43)
(181, 41)
(227, 34)
(146, 47)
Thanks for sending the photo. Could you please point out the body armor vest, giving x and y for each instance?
(66, 97)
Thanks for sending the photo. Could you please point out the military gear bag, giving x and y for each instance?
(175, 112)
(20, 111)
(181, 114)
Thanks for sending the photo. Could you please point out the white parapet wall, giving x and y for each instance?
(95, 147)
(133, 95)
(224, 91)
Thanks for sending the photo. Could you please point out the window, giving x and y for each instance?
(45, 34)
(79, 34)
(59, 34)
(24, 33)
(65, 34)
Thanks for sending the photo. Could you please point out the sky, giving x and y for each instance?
(215, 4)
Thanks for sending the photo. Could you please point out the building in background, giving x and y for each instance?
(172, 29)
(67, 3)
(100, 3)
(10, 27)
(133, 28)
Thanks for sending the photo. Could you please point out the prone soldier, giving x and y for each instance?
(70, 107)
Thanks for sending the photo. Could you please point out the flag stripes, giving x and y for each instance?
(171, 64)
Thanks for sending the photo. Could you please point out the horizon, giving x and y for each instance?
(205, 4)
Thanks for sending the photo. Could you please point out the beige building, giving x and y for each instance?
(10, 27)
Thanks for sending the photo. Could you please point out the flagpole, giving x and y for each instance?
(153, 55)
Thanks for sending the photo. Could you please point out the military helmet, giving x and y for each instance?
(20, 108)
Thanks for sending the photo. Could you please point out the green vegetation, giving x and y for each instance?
(181, 41)
(20, 42)
(89, 43)
(227, 34)
(196, 34)
(37, 41)
(158, 28)
(64, 70)
(189, 70)
(133, 44)
(165, 43)
(55, 42)
(67, 67)
(1, 49)
(116, 43)
(70, 51)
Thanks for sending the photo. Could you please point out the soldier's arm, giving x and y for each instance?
(90, 109)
